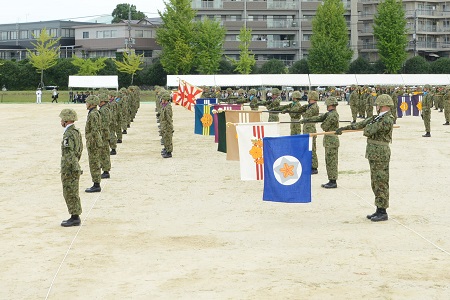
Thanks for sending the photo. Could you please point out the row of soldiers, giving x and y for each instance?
(104, 129)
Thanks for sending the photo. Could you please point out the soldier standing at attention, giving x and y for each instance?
(330, 122)
(274, 105)
(105, 119)
(71, 149)
(378, 130)
(427, 104)
(253, 99)
(166, 125)
(112, 105)
(94, 142)
(354, 98)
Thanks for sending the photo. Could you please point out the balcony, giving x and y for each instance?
(286, 5)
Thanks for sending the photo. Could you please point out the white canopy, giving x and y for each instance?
(269, 80)
(95, 82)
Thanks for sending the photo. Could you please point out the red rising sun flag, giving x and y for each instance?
(190, 94)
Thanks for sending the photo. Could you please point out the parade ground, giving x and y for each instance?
(189, 228)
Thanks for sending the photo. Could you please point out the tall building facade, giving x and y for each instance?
(282, 29)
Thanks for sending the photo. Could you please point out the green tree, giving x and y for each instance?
(246, 59)
(45, 54)
(440, 66)
(416, 65)
(130, 65)
(273, 66)
(88, 66)
(390, 32)
(379, 67)
(299, 67)
(330, 52)
(360, 66)
(225, 67)
(176, 36)
(59, 75)
(156, 74)
(208, 40)
(121, 12)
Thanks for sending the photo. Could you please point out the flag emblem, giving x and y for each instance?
(404, 106)
(287, 170)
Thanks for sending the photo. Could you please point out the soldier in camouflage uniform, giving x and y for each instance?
(446, 100)
(112, 106)
(231, 98)
(105, 119)
(253, 99)
(94, 142)
(71, 149)
(330, 122)
(118, 118)
(294, 112)
(439, 98)
(354, 99)
(166, 125)
(370, 100)
(427, 104)
(124, 105)
(274, 105)
(378, 130)
(397, 93)
(241, 97)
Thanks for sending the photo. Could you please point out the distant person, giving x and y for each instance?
(38, 96)
(54, 95)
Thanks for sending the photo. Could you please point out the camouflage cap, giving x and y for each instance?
(427, 86)
(93, 100)
(103, 97)
(275, 91)
(252, 92)
(165, 96)
(296, 95)
(240, 91)
(313, 96)
(331, 101)
(68, 114)
(384, 100)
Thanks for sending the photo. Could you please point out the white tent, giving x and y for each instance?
(332, 79)
(380, 79)
(422, 79)
(95, 82)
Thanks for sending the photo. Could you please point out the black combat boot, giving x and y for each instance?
(94, 189)
(163, 151)
(380, 216)
(167, 155)
(73, 221)
(372, 215)
(105, 175)
(113, 152)
(119, 141)
(314, 171)
(124, 132)
(330, 185)
(446, 123)
(427, 135)
(128, 126)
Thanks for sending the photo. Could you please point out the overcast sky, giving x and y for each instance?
(45, 10)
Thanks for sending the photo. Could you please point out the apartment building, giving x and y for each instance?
(16, 38)
(105, 40)
(282, 29)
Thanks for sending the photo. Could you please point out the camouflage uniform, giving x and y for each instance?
(112, 106)
(427, 104)
(274, 105)
(94, 140)
(118, 118)
(378, 130)
(330, 122)
(105, 119)
(354, 99)
(253, 100)
(166, 125)
(124, 105)
(294, 112)
(71, 149)
(370, 99)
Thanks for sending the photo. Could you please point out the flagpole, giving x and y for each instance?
(344, 131)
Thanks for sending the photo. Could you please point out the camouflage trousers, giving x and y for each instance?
(331, 161)
(125, 120)
(274, 117)
(112, 138)
(167, 140)
(354, 110)
(95, 163)
(379, 176)
(296, 128)
(118, 131)
(105, 159)
(362, 109)
(315, 162)
(447, 112)
(71, 184)
(426, 115)
(369, 110)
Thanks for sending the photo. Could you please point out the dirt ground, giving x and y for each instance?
(189, 228)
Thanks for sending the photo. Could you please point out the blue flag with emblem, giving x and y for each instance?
(204, 121)
(287, 168)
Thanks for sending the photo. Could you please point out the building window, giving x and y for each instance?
(4, 35)
(99, 34)
(24, 34)
(148, 33)
(53, 32)
(147, 53)
(66, 32)
(85, 34)
(139, 33)
(13, 35)
(36, 33)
